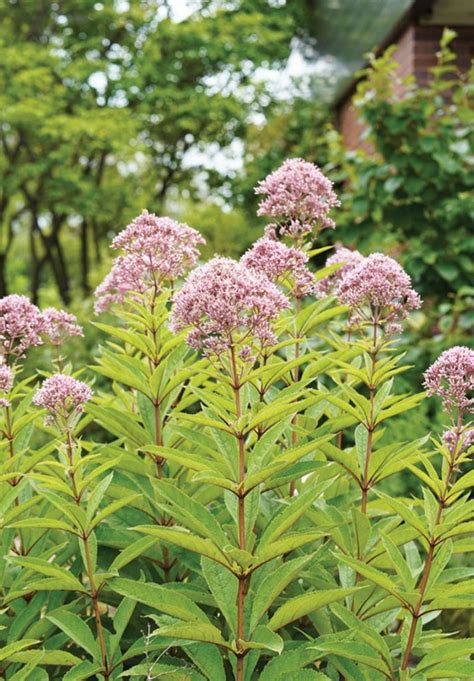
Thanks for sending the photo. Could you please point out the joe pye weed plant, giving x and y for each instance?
(209, 499)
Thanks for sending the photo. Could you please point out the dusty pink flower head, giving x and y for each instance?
(299, 197)
(378, 290)
(452, 378)
(59, 325)
(64, 397)
(6, 383)
(227, 304)
(462, 441)
(128, 277)
(157, 250)
(348, 260)
(280, 264)
(21, 325)
(173, 245)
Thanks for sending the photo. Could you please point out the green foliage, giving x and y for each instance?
(412, 187)
(109, 107)
(219, 520)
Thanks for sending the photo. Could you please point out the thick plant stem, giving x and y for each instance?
(242, 587)
(296, 378)
(154, 363)
(11, 453)
(95, 605)
(371, 424)
(416, 613)
(89, 568)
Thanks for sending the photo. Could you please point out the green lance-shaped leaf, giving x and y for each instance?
(356, 652)
(272, 586)
(398, 562)
(289, 666)
(406, 513)
(44, 523)
(363, 631)
(274, 412)
(12, 648)
(189, 512)
(208, 659)
(197, 631)
(44, 567)
(112, 508)
(288, 516)
(161, 598)
(284, 461)
(125, 370)
(134, 339)
(344, 459)
(60, 658)
(264, 638)
(113, 421)
(290, 542)
(180, 536)
(299, 606)
(452, 669)
(346, 407)
(400, 407)
(120, 620)
(76, 629)
(97, 495)
(132, 551)
(223, 586)
(81, 672)
(188, 460)
(377, 577)
(449, 650)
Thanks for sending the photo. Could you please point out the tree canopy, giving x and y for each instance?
(109, 107)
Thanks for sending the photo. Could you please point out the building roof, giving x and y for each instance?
(344, 32)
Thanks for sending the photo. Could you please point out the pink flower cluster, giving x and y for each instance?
(127, 276)
(21, 325)
(64, 398)
(348, 260)
(280, 264)
(227, 303)
(299, 197)
(378, 290)
(157, 250)
(452, 378)
(6, 383)
(463, 440)
(60, 325)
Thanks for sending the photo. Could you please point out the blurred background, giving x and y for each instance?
(182, 106)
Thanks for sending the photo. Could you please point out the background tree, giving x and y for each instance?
(106, 107)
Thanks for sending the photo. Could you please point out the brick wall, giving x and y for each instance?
(416, 53)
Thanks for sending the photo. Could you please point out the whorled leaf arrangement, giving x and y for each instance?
(216, 509)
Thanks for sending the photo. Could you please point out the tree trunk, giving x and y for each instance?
(86, 289)
(62, 275)
(3, 275)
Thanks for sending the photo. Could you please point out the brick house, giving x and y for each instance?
(349, 29)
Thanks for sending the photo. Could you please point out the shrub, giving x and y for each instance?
(412, 185)
(230, 520)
